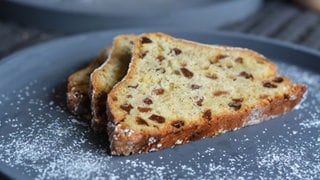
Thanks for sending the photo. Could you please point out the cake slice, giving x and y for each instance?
(178, 91)
(106, 76)
(78, 101)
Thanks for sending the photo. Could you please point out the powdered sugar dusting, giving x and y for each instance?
(42, 140)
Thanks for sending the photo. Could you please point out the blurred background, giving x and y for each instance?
(27, 22)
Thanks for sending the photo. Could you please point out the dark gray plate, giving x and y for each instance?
(40, 139)
(73, 16)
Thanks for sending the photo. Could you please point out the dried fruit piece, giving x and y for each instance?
(239, 60)
(144, 109)
(186, 73)
(126, 107)
(177, 51)
(193, 136)
(134, 87)
(141, 121)
(221, 56)
(235, 105)
(145, 40)
(177, 124)
(161, 70)
(237, 99)
(207, 115)
(195, 86)
(286, 96)
(246, 75)
(160, 58)
(143, 54)
(200, 101)
(212, 76)
(158, 119)
(217, 58)
(158, 91)
(147, 101)
(268, 84)
(219, 93)
(277, 80)
(114, 98)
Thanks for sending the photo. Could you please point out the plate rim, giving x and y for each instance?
(261, 39)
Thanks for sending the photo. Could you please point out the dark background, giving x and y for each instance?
(278, 19)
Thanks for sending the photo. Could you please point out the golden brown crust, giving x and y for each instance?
(78, 101)
(104, 78)
(126, 143)
(125, 140)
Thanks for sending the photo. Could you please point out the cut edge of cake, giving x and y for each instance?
(78, 101)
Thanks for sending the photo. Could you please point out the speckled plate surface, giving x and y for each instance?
(40, 139)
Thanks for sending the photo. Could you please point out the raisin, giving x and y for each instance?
(268, 84)
(158, 119)
(144, 109)
(277, 80)
(217, 58)
(246, 75)
(194, 86)
(186, 73)
(145, 40)
(207, 115)
(235, 105)
(158, 91)
(239, 60)
(176, 51)
(147, 101)
(129, 96)
(177, 124)
(193, 136)
(161, 70)
(212, 76)
(126, 107)
(160, 58)
(286, 96)
(237, 99)
(114, 98)
(221, 56)
(219, 93)
(200, 101)
(141, 121)
(143, 54)
(134, 87)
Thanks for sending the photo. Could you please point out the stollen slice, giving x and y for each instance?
(178, 91)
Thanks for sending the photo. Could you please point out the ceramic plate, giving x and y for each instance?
(39, 138)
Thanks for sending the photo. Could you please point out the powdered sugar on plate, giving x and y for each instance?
(40, 139)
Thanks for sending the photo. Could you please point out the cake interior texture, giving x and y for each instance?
(178, 91)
